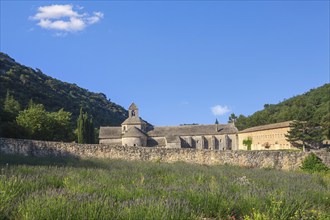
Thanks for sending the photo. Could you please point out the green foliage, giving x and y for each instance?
(216, 121)
(313, 163)
(232, 118)
(54, 94)
(305, 135)
(85, 129)
(248, 143)
(312, 106)
(69, 188)
(81, 135)
(42, 125)
(11, 107)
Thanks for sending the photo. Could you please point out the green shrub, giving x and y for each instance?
(248, 142)
(312, 164)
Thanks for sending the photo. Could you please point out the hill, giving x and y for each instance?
(313, 106)
(26, 83)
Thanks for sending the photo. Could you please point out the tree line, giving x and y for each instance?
(309, 113)
(34, 122)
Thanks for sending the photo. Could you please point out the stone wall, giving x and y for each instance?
(262, 159)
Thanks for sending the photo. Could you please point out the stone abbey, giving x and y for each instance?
(134, 131)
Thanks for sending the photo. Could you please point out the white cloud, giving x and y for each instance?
(65, 18)
(96, 18)
(219, 110)
(54, 12)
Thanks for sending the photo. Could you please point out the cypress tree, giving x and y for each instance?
(91, 132)
(80, 127)
(85, 127)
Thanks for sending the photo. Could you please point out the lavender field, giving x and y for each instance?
(53, 188)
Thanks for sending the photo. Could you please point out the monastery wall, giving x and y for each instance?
(261, 159)
(273, 139)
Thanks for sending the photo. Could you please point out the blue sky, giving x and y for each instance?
(179, 61)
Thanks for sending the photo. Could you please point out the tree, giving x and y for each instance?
(80, 127)
(42, 125)
(85, 128)
(305, 134)
(232, 118)
(11, 107)
(91, 132)
(61, 128)
(241, 122)
(35, 121)
(216, 121)
(248, 143)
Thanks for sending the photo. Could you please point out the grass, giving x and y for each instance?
(59, 188)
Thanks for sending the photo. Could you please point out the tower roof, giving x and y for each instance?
(133, 121)
(134, 132)
(133, 107)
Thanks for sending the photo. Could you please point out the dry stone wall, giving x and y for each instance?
(261, 159)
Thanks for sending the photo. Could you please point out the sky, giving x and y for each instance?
(181, 62)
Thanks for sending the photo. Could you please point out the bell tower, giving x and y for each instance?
(133, 120)
(133, 111)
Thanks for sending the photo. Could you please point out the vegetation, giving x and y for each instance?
(38, 124)
(312, 107)
(85, 129)
(248, 143)
(232, 118)
(58, 188)
(312, 164)
(305, 135)
(25, 83)
(11, 107)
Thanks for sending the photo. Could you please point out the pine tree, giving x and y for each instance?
(216, 121)
(305, 135)
(232, 118)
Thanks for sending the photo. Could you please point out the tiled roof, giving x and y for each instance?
(133, 121)
(110, 132)
(134, 132)
(188, 130)
(267, 127)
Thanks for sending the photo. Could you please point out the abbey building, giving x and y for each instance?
(136, 132)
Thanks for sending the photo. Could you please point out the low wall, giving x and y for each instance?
(262, 159)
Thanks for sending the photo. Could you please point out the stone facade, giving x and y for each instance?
(260, 159)
(136, 132)
(266, 137)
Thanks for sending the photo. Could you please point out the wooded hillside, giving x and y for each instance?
(313, 106)
(25, 83)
